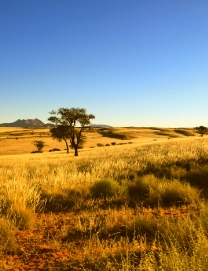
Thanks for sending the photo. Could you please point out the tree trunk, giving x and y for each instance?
(76, 151)
(67, 146)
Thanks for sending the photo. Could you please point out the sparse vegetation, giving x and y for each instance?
(109, 132)
(183, 132)
(100, 145)
(105, 188)
(39, 144)
(127, 207)
(54, 149)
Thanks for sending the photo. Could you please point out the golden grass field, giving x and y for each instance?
(14, 140)
(139, 206)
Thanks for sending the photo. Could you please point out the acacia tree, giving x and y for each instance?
(202, 130)
(70, 125)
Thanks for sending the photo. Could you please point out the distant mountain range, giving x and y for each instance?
(26, 123)
(38, 123)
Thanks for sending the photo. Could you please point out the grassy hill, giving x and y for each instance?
(14, 140)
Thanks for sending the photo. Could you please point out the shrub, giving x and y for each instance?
(113, 143)
(100, 145)
(176, 193)
(107, 145)
(105, 188)
(56, 200)
(39, 145)
(144, 226)
(198, 176)
(138, 188)
(54, 149)
(153, 191)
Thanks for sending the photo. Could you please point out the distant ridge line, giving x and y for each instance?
(26, 123)
(100, 125)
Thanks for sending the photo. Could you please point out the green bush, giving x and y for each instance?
(177, 193)
(105, 188)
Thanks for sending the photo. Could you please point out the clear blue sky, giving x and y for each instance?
(128, 62)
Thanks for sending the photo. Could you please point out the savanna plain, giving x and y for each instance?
(134, 199)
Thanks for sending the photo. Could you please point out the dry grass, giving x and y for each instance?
(14, 140)
(80, 231)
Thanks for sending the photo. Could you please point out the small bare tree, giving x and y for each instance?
(39, 145)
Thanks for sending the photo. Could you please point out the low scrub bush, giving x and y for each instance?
(56, 200)
(105, 188)
(143, 226)
(54, 149)
(100, 145)
(138, 189)
(177, 193)
(155, 191)
(198, 176)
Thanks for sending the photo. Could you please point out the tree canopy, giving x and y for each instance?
(202, 130)
(70, 125)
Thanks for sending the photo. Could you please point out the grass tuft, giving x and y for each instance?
(105, 188)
